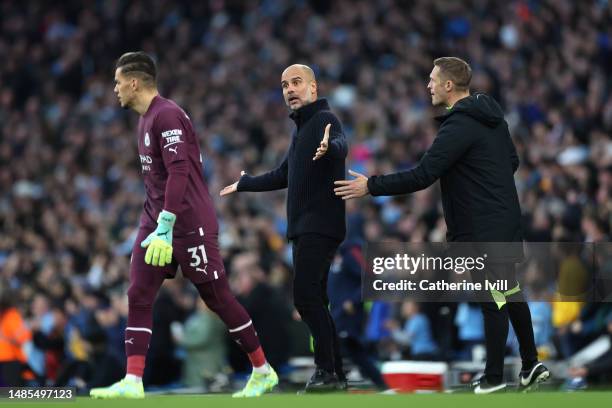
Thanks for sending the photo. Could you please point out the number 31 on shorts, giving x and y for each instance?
(198, 257)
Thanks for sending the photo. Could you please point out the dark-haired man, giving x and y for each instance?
(178, 227)
(475, 159)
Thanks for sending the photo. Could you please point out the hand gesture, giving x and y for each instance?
(355, 188)
(232, 188)
(322, 149)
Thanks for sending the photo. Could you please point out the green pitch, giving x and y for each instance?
(510, 400)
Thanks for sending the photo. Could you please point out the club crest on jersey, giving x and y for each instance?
(147, 140)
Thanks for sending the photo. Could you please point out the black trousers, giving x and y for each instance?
(312, 257)
(496, 325)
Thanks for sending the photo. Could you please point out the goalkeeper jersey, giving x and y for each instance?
(171, 164)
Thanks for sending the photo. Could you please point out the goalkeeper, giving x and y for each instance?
(178, 228)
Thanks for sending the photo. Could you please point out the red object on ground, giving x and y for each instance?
(411, 376)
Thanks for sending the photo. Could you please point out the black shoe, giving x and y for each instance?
(482, 386)
(342, 381)
(530, 379)
(322, 381)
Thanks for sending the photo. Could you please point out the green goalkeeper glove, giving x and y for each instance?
(159, 242)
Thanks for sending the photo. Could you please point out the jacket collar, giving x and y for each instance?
(449, 111)
(442, 117)
(303, 114)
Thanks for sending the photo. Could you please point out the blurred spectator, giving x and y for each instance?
(203, 339)
(415, 335)
(14, 335)
(591, 323)
(94, 367)
(47, 324)
(269, 310)
(89, 362)
(543, 331)
(173, 304)
(377, 335)
(470, 327)
(598, 370)
(563, 315)
(346, 306)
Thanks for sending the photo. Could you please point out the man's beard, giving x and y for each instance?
(307, 101)
(437, 103)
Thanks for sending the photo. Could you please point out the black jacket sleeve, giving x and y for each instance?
(272, 180)
(450, 144)
(337, 148)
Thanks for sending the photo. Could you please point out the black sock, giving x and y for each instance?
(520, 317)
(496, 332)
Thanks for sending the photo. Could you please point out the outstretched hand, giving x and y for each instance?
(355, 188)
(322, 149)
(232, 188)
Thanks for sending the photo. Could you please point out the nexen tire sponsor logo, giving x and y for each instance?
(173, 132)
(172, 137)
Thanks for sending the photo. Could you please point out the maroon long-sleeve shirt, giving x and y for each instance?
(172, 168)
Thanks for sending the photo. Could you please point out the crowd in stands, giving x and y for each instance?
(71, 192)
